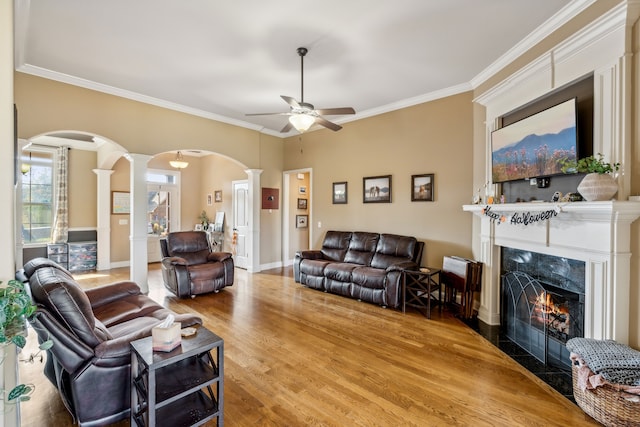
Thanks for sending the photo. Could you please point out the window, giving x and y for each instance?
(37, 196)
(162, 196)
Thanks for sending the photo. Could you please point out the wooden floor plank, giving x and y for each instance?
(299, 357)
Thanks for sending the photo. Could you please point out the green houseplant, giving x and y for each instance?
(15, 308)
(599, 183)
(589, 164)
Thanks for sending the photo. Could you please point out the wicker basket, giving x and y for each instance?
(606, 404)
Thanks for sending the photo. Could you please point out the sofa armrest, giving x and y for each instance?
(402, 266)
(219, 256)
(310, 254)
(109, 293)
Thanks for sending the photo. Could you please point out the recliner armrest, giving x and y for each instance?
(70, 352)
(109, 293)
(174, 260)
(219, 256)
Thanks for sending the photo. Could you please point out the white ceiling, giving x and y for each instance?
(223, 59)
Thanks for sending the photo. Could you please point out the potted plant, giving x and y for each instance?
(15, 308)
(598, 183)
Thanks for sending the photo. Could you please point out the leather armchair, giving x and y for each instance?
(90, 360)
(189, 268)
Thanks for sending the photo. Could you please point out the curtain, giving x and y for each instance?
(60, 230)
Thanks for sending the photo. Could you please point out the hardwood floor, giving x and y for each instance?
(299, 357)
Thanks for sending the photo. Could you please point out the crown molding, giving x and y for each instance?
(536, 36)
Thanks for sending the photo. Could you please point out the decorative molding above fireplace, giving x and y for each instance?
(597, 233)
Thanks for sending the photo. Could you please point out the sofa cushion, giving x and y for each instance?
(339, 271)
(313, 267)
(335, 245)
(369, 277)
(361, 248)
(393, 249)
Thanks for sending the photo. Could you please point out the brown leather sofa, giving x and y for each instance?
(361, 265)
(89, 362)
(189, 268)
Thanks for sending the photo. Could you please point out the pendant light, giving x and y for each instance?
(179, 162)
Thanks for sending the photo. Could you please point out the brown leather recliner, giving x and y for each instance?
(189, 268)
(90, 360)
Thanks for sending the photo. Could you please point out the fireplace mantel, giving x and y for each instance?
(597, 233)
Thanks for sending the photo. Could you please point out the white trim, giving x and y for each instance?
(269, 266)
(567, 13)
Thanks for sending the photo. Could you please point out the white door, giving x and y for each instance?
(240, 223)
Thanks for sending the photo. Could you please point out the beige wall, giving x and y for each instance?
(82, 189)
(45, 106)
(434, 137)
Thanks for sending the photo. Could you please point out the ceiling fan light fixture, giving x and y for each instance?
(179, 162)
(302, 122)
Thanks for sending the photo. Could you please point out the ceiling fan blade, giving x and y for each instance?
(291, 101)
(268, 114)
(335, 111)
(326, 123)
(286, 127)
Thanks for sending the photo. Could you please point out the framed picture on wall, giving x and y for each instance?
(302, 204)
(209, 199)
(339, 193)
(422, 188)
(217, 196)
(376, 189)
(120, 203)
(302, 221)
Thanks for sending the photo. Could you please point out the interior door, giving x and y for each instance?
(240, 223)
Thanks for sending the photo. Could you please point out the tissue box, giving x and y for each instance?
(165, 339)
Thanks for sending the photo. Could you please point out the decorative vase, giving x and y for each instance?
(598, 187)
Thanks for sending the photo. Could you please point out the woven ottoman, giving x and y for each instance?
(606, 380)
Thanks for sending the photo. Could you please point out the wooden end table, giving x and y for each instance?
(418, 287)
(183, 387)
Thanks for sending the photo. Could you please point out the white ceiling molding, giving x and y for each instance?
(556, 21)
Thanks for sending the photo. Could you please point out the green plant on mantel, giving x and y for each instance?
(15, 308)
(589, 164)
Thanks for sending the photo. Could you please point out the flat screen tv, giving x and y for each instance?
(536, 145)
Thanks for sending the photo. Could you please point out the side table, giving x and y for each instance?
(418, 287)
(183, 387)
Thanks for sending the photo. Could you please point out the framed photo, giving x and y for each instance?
(339, 193)
(376, 189)
(302, 221)
(302, 204)
(270, 198)
(302, 189)
(217, 196)
(120, 203)
(209, 199)
(422, 188)
(198, 227)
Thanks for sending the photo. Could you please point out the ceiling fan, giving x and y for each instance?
(302, 114)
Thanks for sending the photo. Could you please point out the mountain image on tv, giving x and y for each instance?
(535, 146)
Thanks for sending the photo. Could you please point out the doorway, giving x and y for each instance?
(240, 223)
(297, 230)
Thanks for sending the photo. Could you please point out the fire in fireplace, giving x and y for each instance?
(539, 316)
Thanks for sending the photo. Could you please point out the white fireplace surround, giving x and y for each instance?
(597, 233)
